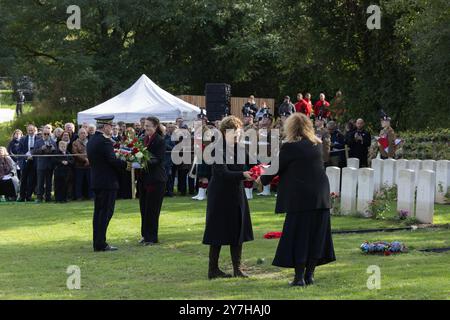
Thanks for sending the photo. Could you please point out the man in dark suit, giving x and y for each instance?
(105, 170)
(359, 141)
(44, 165)
(27, 164)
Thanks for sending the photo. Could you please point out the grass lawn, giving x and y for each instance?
(39, 242)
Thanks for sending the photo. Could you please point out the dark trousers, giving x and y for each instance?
(150, 202)
(44, 184)
(124, 185)
(104, 202)
(61, 187)
(28, 180)
(183, 180)
(169, 185)
(83, 178)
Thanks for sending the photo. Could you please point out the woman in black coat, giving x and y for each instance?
(304, 194)
(227, 215)
(152, 182)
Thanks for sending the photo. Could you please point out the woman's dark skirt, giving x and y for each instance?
(306, 237)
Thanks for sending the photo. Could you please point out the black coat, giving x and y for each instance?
(358, 149)
(228, 219)
(62, 170)
(14, 148)
(105, 167)
(155, 172)
(303, 182)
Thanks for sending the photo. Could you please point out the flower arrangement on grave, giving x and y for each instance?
(383, 247)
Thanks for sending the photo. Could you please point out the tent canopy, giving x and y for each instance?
(142, 99)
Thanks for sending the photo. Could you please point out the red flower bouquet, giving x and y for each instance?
(133, 150)
(257, 171)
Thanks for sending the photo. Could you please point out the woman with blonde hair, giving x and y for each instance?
(304, 195)
(227, 215)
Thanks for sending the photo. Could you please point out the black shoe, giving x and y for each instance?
(309, 279)
(20, 200)
(299, 279)
(29, 199)
(236, 253)
(142, 241)
(107, 248)
(150, 243)
(297, 283)
(217, 273)
(309, 273)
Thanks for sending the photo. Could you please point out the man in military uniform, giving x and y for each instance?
(105, 170)
(203, 170)
(386, 142)
(323, 134)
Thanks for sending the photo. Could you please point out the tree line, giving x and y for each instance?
(269, 48)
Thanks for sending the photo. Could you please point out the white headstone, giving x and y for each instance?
(405, 191)
(400, 165)
(353, 163)
(429, 165)
(377, 166)
(425, 196)
(442, 180)
(415, 165)
(348, 190)
(389, 172)
(334, 177)
(365, 190)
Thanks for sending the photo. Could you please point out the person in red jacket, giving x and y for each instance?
(322, 106)
(304, 105)
(299, 102)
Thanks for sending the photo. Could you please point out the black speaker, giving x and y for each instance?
(218, 100)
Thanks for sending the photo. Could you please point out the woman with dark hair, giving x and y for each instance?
(227, 215)
(152, 182)
(304, 195)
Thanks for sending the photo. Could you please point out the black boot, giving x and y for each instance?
(236, 253)
(309, 274)
(214, 271)
(299, 280)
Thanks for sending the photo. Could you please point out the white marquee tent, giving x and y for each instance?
(142, 99)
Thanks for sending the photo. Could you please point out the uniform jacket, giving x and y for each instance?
(105, 167)
(390, 135)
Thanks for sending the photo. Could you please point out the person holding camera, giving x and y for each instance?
(358, 140)
(44, 148)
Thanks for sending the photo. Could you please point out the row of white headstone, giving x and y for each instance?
(429, 178)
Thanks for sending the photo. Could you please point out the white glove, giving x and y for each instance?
(136, 165)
